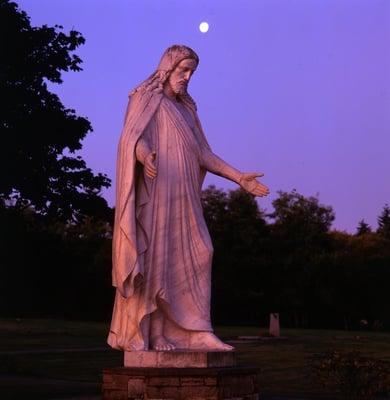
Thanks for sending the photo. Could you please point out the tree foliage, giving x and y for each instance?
(238, 229)
(384, 222)
(337, 284)
(39, 135)
(363, 228)
(300, 221)
(351, 374)
(295, 265)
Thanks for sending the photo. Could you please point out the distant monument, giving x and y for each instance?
(274, 325)
(162, 252)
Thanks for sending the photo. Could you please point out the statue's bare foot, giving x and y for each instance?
(208, 341)
(159, 343)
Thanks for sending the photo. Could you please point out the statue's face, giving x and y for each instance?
(180, 76)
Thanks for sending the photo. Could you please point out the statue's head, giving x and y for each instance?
(175, 69)
(178, 79)
(178, 63)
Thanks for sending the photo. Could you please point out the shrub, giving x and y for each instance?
(349, 373)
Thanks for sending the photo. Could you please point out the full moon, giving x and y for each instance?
(204, 27)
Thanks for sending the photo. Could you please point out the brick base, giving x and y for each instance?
(224, 383)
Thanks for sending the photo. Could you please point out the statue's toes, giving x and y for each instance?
(227, 347)
(163, 345)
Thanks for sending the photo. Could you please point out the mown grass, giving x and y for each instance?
(284, 363)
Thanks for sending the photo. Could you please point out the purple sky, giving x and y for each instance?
(297, 89)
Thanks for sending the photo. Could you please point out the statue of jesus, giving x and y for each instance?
(162, 252)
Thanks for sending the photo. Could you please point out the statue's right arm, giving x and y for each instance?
(219, 167)
(246, 180)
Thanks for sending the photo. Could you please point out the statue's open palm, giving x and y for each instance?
(249, 182)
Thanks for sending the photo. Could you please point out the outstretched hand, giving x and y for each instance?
(249, 182)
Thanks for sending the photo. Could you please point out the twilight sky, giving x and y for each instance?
(297, 89)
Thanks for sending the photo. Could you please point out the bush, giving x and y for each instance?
(349, 373)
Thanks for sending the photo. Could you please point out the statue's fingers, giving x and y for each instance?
(259, 185)
(263, 187)
(151, 158)
(151, 176)
(258, 192)
(151, 173)
(151, 167)
(261, 190)
(264, 192)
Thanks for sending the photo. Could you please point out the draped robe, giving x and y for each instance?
(162, 248)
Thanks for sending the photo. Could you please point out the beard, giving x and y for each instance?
(180, 88)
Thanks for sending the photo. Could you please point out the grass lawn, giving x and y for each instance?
(285, 362)
(48, 359)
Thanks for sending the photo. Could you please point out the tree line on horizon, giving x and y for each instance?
(55, 226)
(289, 261)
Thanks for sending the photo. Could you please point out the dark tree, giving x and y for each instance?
(363, 228)
(214, 203)
(299, 220)
(238, 231)
(384, 222)
(39, 135)
(300, 237)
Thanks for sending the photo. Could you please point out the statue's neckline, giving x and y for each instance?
(173, 99)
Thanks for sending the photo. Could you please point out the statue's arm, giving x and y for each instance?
(146, 157)
(217, 166)
(247, 180)
(142, 150)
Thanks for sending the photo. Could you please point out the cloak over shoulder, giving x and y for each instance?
(126, 266)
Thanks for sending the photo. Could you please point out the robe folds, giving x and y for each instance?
(162, 251)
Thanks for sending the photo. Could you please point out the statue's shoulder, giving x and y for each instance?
(142, 99)
(141, 108)
(136, 95)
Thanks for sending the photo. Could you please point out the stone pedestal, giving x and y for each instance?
(180, 375)
(179, 359)
(228, 383)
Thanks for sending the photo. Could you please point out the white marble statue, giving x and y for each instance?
(162, 251)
